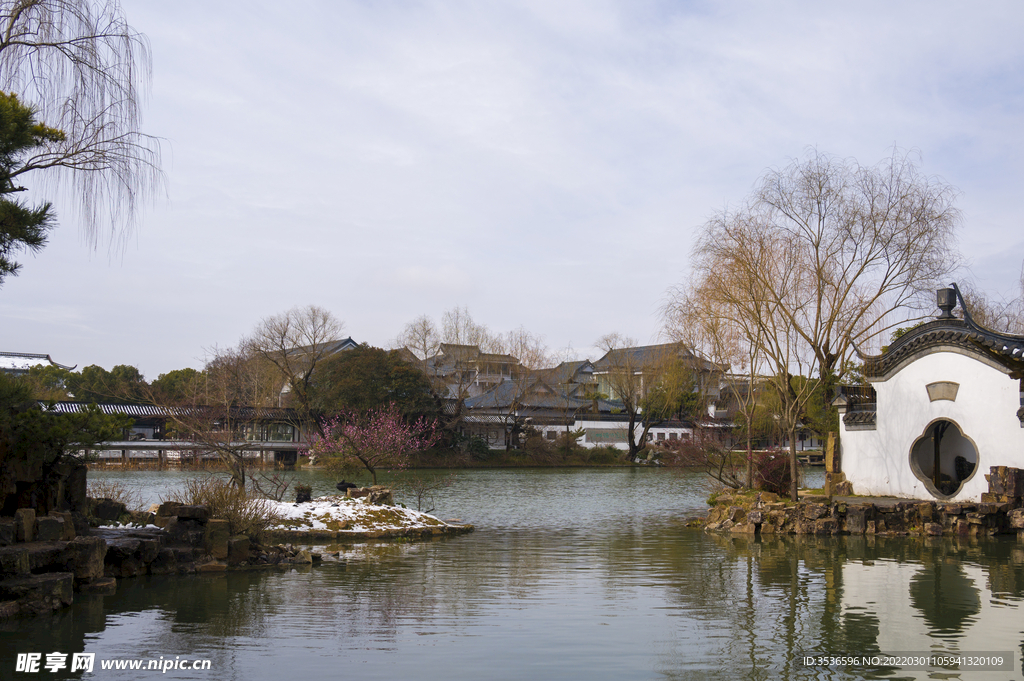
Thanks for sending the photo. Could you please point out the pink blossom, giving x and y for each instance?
(379, 438)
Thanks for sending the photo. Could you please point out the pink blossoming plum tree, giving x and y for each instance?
(379, 438)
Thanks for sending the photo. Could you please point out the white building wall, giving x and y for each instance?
(877, 462)
(615, 432)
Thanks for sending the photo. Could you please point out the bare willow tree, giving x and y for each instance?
(731, 291)
(85, 72)
(873, 244)
(698, 318)
(459, 328)
(827, 255)
(650, 381)
(420, 336)
(296, 342)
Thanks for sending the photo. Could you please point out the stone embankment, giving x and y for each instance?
(1001, 511)
(44, 561)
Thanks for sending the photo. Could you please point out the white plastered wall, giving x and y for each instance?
(877, 462)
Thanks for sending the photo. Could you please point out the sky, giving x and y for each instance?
(545, 164)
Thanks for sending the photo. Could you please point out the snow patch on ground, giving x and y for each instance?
(336, 512)
(129, 526)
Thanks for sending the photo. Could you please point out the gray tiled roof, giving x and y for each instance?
(647, 355)
(965, 334)
(20, 362)
(509, 393)
(154, 411)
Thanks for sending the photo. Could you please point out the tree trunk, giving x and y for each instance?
(634, 450)
(237, 468)
(793, 496)
(750, 463)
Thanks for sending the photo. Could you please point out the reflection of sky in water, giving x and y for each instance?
(571, 574)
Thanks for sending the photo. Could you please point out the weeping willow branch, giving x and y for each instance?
(85, 71)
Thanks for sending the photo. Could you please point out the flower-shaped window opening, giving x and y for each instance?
(943, 458)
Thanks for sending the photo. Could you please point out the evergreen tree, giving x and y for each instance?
(21, 227)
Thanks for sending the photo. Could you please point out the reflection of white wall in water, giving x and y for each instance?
(985, 410)
(901, 597)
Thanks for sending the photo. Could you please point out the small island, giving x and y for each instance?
(338, 517)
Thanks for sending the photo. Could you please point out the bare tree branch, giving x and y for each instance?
(825, 256)
(86, 71)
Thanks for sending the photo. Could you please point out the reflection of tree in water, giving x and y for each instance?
(374, 587)
(369, 594)
(756, 604)
(946, 597)
(858, 631)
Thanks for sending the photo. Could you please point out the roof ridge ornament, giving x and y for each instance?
(946, 299)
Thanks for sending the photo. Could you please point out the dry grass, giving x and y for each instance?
(246, 513)
(117, 490)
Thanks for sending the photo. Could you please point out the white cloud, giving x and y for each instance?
(544, 163)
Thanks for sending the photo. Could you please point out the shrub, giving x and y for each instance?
(477, 448)
(605, 456)
(568, 446)
(246, 514)
(773, 473)
(540, 450)
(117, 490)
(422, 487)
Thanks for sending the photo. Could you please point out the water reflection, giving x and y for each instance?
(574, 574)
(867, 595)
(946, 597)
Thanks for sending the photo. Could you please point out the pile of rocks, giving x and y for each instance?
(376, 494)
(43, 562)
(1005, 486)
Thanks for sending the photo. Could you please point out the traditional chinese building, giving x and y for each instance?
(19, 363)
(943, 405)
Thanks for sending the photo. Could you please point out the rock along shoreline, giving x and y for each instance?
(1001, 511)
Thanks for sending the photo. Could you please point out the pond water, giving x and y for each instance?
(570, 574)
